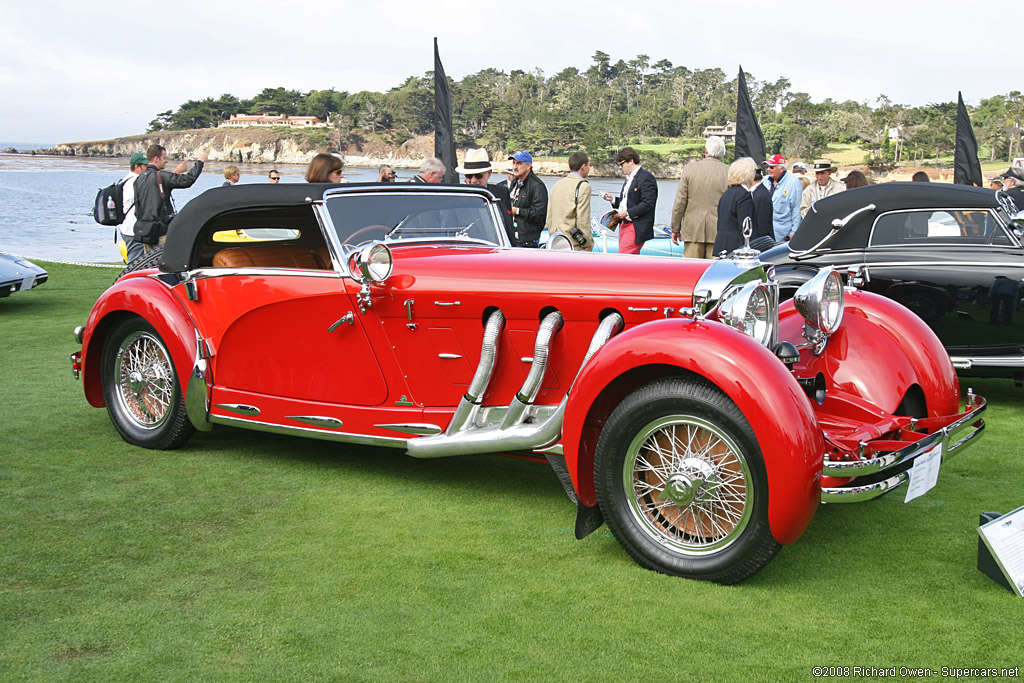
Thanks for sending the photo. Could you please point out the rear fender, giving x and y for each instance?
(758, 383)
(147, 298)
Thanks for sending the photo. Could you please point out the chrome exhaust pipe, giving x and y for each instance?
(518, 437)
(525, 397)
(482, 378)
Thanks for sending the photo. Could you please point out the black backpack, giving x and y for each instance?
(107, 208)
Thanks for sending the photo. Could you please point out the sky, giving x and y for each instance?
(77, 71)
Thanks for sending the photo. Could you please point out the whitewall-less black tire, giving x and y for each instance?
(141, 388)
(682, 484)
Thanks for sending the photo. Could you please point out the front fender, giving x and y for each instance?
(758, 383)
(147, 298)
(880, 351)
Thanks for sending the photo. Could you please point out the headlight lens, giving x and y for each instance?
(820, 300)
(373, 262)
(749, 309)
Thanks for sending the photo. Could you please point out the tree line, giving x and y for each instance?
(626, 102)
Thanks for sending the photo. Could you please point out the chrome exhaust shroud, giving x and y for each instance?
(521, 425)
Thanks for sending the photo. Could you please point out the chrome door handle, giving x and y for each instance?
(347, 318)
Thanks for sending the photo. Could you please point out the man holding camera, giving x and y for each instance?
(569, 204)
(153, 207)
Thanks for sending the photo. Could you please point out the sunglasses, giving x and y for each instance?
(275, 177)
(474, 175)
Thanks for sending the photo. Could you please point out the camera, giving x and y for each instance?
(578, 236)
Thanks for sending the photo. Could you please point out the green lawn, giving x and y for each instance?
(247, 556)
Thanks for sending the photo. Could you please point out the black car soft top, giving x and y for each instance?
(189, 223)
(886, 197)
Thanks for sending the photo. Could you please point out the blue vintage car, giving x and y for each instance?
(19, 275)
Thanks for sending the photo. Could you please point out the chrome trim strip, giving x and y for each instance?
(967, 362)
(555, 450)
(343, 437)
(202, 273)
(412, 428)
(317, 421)
(239, 408)
(449, 356)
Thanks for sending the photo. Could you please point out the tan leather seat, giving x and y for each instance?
(269, 256)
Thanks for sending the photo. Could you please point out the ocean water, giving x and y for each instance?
(46, 202)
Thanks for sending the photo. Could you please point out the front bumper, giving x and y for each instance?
(883, 473)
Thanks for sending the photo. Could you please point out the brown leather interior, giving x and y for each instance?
(268, 256)
(323, 256)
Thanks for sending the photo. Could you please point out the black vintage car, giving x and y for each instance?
(950, 253)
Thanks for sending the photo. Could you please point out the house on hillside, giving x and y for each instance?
(245, 120)
(726, 132)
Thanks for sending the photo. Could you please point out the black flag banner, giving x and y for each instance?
(444, 141)
(749, 139)
(966, 167)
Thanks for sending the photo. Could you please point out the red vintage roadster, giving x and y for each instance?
(676, 400)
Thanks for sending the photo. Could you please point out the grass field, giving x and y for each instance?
(247, 556)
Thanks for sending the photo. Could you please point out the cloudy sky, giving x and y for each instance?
(73, 71)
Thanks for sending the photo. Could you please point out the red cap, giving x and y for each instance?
(776, 160)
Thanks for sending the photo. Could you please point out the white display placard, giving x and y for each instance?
(925, 473)
(27, 282)
(1004, 537)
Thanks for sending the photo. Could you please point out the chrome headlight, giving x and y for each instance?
(372, 262)
(558, 242)
(820, 301)
(749, 309)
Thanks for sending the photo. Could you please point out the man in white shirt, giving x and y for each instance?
(138, 164)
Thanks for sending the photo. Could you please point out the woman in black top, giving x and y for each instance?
(735, 206)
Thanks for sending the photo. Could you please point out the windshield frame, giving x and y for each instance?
(351, 193)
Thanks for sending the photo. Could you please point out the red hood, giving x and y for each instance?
(502, 271)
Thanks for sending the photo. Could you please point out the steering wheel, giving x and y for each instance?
(364, 231)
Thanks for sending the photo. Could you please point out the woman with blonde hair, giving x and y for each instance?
(325, 168)
(735, 206)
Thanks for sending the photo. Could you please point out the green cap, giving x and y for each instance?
(137, 158)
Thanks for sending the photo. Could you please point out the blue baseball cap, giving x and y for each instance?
(522, 156)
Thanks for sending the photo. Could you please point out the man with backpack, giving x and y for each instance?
(153, 207)
(137, 163)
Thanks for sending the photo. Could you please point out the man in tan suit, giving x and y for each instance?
(569, 204)
(823, 185)
(695, 211)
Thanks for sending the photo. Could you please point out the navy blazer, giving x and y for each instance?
(734, 206)
(643, 195)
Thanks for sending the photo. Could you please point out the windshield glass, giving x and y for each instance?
(394, 217)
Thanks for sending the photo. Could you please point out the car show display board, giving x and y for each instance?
(1001, 548)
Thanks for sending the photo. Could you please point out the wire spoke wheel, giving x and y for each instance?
(140, 387)
(145, 382)
(690, 484)
(682, 483)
